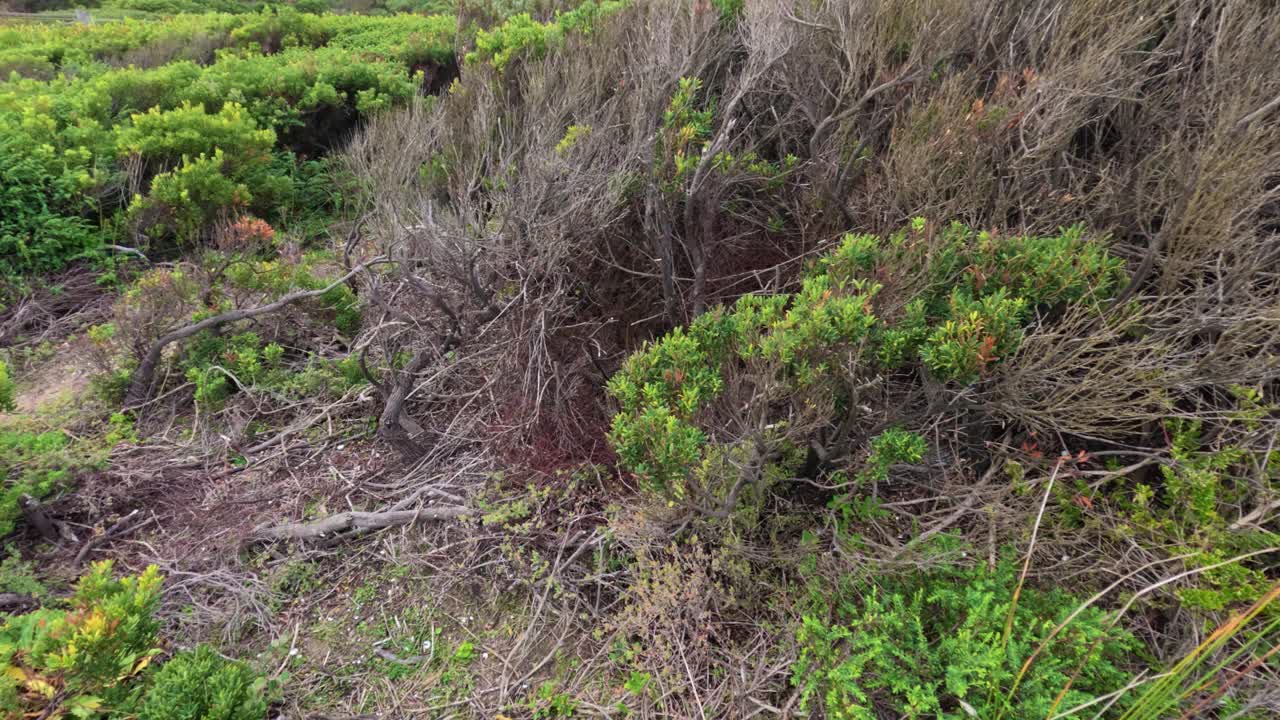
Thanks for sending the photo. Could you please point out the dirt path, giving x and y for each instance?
(63, 379)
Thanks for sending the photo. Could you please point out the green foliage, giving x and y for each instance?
(930, 645)
(683, 138)
(977, 294)
(41, 202)
(521, 35)
(685, 128)
(184, 202)
(84, 655)
(218, 364)
(1181, 691)
(729, 9)
(7, 389)
(87, 660)
(548, 703)
(890, 447)
(19, 576)
(202, 685)
(571, 138)
(465, 652)
(1185, 513)
(653, 432)
(978, 289)
(977, 332)
(194, 139)
(32, 464)
(188, 130)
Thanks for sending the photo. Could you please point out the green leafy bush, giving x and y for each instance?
(30, 464)
(521, 34)
(685, 128)
(87, 660)
(184, 202)
(1207, 485)
(84, 656)
(202, 685)
(7, 389)
(933, 645)
(178, 142)
(41, 204)
(965, 311)
(189, 130)
(19, 576)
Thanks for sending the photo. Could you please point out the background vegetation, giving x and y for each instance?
(667, 359)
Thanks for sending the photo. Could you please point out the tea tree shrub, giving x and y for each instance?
(174, 146)
(969, 295)
(202, 685)
(96, 658)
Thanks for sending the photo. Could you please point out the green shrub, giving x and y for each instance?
(19, 576)
(972, 294)
(30, 464)
(520, 34)
(85, 655)
(1206, 487)
(189, 130)
(8, 401)
(183, 203)
(41, 202)
(932, 645)
(201, 685)
(87, 660)
(82, 148)
(211, 360)
(42, 463)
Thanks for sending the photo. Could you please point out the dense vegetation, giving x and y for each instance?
(99, 655)
(544, 359)
(156, 133)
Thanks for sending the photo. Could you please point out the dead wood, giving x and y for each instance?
(49, 528)
(356, 522)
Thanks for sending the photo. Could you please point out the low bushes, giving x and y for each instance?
(951, 643)
(82, 656)
(96, 656)
(273, 357)
(7, 389)
(202, 685)
(41, 463)
(31, 463)
(521, 33)
(953, 318)
(184, 143)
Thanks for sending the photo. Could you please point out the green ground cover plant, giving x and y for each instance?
(935, 645)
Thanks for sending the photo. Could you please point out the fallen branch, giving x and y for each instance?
(128, 251)
(140, 385)
(17, 603)
(114, 531)
(356, 522)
